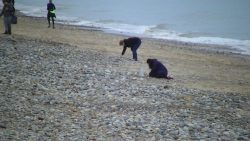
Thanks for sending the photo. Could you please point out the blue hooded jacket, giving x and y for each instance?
(158, 70)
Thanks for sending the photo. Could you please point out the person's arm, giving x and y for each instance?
(124, 50)
(13, 10)
(2, 11)
(153, 70)
(54, 7)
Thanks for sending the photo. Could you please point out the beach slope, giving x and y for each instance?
(72, 84)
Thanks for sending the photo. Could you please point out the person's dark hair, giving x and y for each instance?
(121, 42)
(150, 62)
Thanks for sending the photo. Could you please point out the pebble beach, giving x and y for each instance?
(72, 84)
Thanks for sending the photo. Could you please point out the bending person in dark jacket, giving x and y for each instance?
(134, 43)
(158, 70)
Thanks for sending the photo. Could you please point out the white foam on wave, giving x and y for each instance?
(112, 26)
(239, 46)
(32, 10)
(126, 28)
(162, 31)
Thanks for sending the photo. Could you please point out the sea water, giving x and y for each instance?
(221, 22)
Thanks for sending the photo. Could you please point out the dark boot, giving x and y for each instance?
(9, 32)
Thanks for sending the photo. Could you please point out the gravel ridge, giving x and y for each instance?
(54, 91)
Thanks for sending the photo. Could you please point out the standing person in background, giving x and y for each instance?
(8, 11)
(134, 43)
(51, 13)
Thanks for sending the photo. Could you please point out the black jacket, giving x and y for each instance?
(130, 42)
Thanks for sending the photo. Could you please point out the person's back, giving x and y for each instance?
(160, 67)
(130, 42)
(13, 2)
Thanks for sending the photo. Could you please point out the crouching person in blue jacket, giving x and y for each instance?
(158, 70)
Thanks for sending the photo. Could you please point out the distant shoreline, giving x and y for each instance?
(211, 47)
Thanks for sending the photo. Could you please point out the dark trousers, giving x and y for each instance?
(52, 17)
(134, 49)
(159, 74)
(7, 24)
